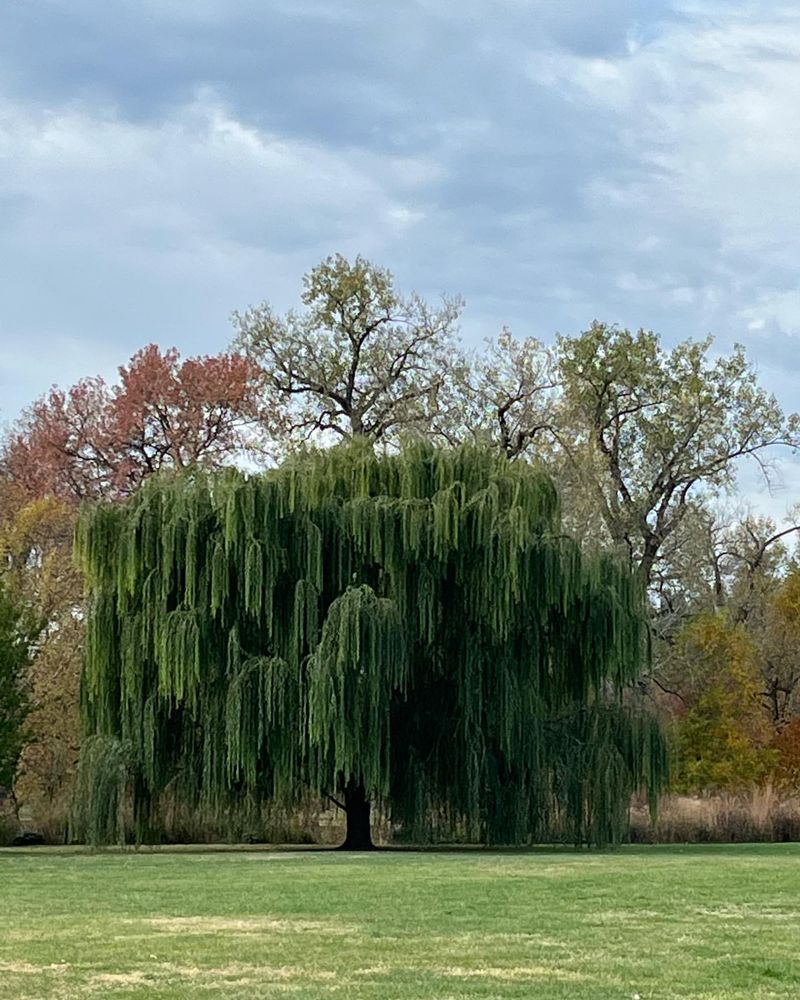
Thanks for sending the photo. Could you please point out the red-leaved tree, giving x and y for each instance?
(100, 440)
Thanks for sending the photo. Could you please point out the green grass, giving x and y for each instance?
(660, 922)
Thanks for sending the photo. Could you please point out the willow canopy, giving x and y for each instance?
(411, 631)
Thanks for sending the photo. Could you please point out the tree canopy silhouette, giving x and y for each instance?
(410, 630)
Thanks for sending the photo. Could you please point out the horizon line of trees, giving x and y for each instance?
(641, 440)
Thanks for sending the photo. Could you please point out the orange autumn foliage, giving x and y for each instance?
(721, 742)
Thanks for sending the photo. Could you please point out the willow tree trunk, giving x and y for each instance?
(357, 809)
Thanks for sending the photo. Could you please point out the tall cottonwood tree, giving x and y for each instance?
(638, 437)
(412, 630)
(645, 432)
(359, 360)
(508, 394)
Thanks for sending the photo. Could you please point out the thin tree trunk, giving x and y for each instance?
(357, 806)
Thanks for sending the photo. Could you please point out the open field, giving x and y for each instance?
(657, 922)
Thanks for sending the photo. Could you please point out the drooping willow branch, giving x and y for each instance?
(414, 623)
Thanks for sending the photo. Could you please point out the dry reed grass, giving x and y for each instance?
(761, 815)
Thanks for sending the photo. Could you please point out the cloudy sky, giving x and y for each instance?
(163, 162)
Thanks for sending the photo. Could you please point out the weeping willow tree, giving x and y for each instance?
(411, 631)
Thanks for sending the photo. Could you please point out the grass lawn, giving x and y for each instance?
(713, 922)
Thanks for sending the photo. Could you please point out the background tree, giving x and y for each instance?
(647, 431)
(641, 440)
(412, 630)
(18, 632)
(359, 360)
(723, 738)
(95, 440)
(745, 567)
(36, 555)
(508, 395)
(751, 558)
(774, 623)
(786, 746)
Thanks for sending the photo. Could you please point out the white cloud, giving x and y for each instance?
(705, 114)
(196, 175)
(773, 309)
(157, 230)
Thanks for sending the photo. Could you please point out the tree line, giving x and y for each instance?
(642, 442)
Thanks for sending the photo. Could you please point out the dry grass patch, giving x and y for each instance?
(245, 925)
(119, 978)
(29, 968)
(518, 973)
